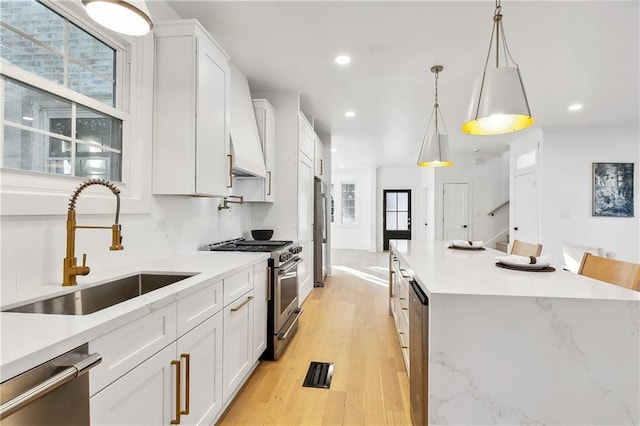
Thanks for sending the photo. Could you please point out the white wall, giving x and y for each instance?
(488, 189)
(32, 248)
(566, 190)
(360, 235)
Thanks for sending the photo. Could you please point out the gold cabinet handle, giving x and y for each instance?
(405, 347)
(269, 183)
(391, 274)
(187, 372)
(269, 283)
(230, 158)
(321, 167)
(176, 421)
(237, 308)
(405, 309)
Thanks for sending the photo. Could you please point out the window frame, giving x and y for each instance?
(339, 212)
(25, 192)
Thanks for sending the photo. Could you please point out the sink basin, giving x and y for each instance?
(93, 299)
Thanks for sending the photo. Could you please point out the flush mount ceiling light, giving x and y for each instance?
(130, 17)
(435, 144)
(342, 60)
(499, 103)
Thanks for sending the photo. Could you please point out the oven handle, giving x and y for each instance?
(289, 267)
(77, 369)
(283, 336)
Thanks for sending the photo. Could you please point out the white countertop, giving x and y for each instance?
(441, 270)
(31, 339)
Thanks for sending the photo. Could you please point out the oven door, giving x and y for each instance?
(286, 292)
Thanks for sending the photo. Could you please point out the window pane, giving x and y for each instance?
(392, 221)
(24, 150)
(31, 57)
(94, 162)
(403, 221)
(95, 127)
(35, 108)
(392, 198)
(90, 84)
(403, 202)
(34, 19)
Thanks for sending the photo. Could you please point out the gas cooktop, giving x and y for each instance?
(240, 244)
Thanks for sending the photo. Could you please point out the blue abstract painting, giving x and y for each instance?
(613, 189)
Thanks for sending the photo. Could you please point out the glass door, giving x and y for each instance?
(396, 215)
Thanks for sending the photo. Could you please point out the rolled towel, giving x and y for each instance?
(542, 261)
(464, 243)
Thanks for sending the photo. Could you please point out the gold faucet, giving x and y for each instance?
(239, 199)
(71, 269)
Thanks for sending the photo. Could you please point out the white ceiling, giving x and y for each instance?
(569, 52)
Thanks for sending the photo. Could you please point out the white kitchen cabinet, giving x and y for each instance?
(399, 303)
(200, 355)
(260, 286)
(191, 124)
(305, 224)
(144, 396)
(257, 189)
(238, 344)
(306, 142)
(318, 157)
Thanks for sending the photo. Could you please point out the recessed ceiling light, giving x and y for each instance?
(25, 118)
(342, 60)
(350, 114)
(575, 107)
(476, 149)
(342, 166)
(333, 150)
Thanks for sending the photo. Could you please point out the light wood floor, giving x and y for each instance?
(345, 322)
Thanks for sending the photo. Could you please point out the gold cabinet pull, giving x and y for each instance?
(269, 183)
(237, 308)
(269, 283)
(230, 158)
(176, 421)
(187, 372)
(391, 274)
(321, 166)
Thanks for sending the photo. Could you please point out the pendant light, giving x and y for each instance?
(435, 144)
(499, 103)
(130, 17)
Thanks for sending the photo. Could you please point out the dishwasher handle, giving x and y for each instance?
(420, 294)
(77, 369)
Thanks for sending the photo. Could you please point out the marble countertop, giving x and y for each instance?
(440, 270)
(31, 339)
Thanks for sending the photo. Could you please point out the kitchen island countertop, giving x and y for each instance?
(519, 347)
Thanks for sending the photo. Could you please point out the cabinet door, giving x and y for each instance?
(200, 354)
(270, 153)
(259, 310)
(319, 158)
(212, 146)
(305, 198)
(238, 348)
(144, 396)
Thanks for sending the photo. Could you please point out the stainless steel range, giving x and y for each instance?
(282, 288)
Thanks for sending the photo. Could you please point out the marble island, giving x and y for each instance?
(516, 347)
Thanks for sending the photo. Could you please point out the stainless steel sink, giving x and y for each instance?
(93, 299)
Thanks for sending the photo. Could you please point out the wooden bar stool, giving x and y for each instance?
(526, 249)
(624, 274)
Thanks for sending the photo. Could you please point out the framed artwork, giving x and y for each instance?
(612, 189)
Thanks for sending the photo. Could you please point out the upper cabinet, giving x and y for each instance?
(307, 137)
(191, 122)
(318, 158)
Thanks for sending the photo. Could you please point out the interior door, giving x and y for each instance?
(525, 226)
(396, 215)
(455, 215)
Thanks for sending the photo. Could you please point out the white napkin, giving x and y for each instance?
(463, 243)
(515, 260)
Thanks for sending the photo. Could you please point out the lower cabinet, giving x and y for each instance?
(238, 343)
(183, 363)
(399, 304)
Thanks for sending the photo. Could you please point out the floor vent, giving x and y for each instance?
(319, 375)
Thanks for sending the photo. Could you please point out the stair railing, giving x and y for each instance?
(493, 212)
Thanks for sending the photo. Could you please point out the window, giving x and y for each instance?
(333, 206)
(60, 97)
(348, 203)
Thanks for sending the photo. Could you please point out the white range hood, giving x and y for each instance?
(248, 159)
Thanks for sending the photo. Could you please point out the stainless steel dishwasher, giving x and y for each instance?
(53, 393)
(418, 354)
